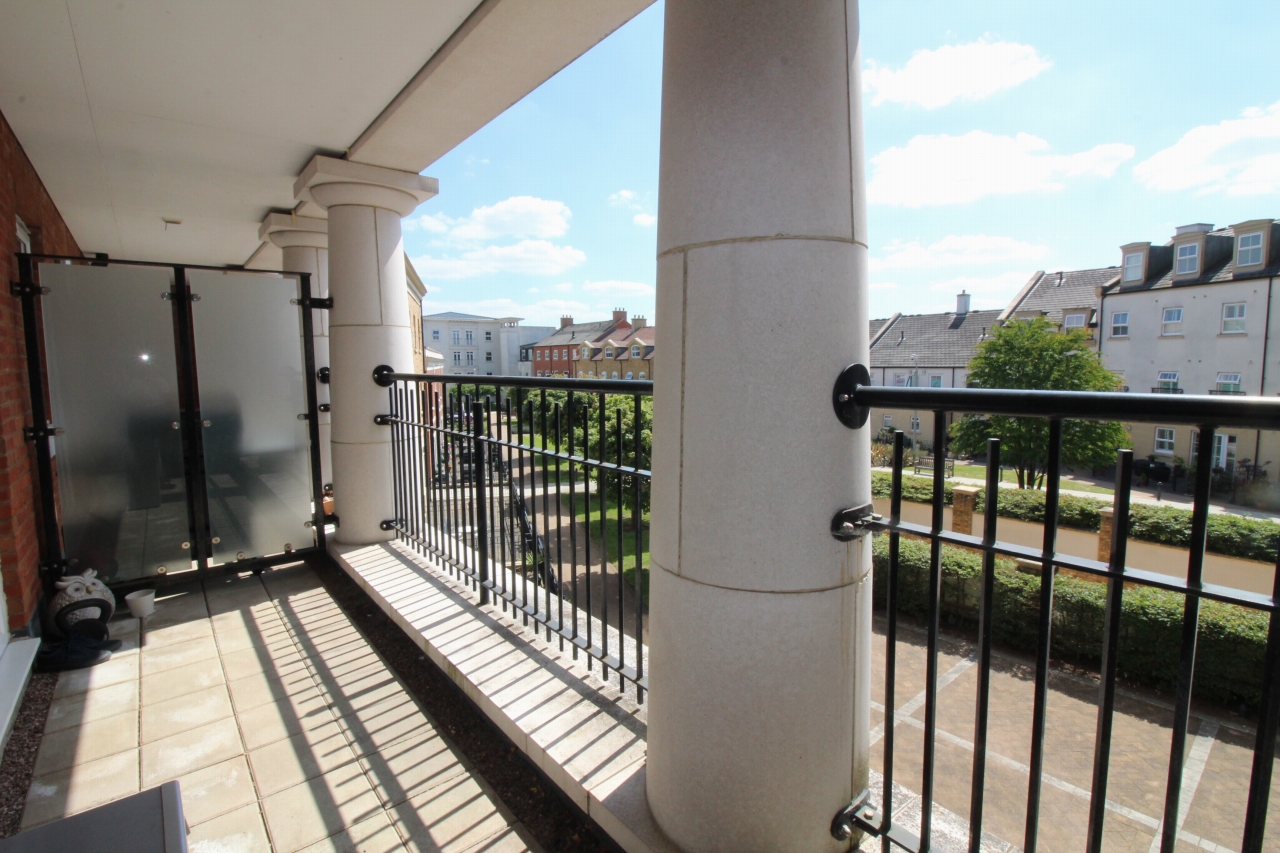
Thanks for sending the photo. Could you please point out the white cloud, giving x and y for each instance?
(935, 78)
(546, 312)
(933, 170)
(644, 219)
(518, 216)
(622, 198)
(1237, 156)
(626, 288)
(956, 249)
(527, 257)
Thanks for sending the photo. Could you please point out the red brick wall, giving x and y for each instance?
(22, 194)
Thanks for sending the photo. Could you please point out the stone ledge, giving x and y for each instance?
(585, 735)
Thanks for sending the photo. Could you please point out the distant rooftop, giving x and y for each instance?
(937, 340)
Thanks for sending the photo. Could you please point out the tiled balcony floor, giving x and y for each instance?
(285, 729)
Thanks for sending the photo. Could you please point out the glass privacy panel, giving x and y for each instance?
(256, 451)
(113, 385)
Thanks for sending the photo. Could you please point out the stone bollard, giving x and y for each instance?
(1104, 535)
(964, 504)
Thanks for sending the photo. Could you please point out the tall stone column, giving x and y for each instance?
(304, 242)
(761, 621)
(368, 327)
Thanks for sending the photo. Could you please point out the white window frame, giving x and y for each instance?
(1170, 328)
(435, 334)
(457, 358)
(1166, 439)
(471, 338)
(1253, 248)
(488, 356)
(1133, 271)
(630, 375)
(1170, 376)
(1190, 258)
(488, 336)
(1232, 379)
(635, 351)
(615, 374)
(888, 421)
(1116, 325)
(471, 358)
(1073, 321)
(457, 337)
(608, 352)
(1224, 451)
(902, 380)
(915, 424)
(1238, 312)
(935, 381)
(642, 376)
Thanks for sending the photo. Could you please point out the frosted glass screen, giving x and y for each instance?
(113, 380)
(252, 390)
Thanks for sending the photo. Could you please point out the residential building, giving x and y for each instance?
(925, 350)
(417, 290)
(1068, 299)
(556, 354)
(625, 353)
(1194, 316)
(479, 346)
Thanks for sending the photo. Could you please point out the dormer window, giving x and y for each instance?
(635, 352)
(1133, 267)
(586, 352)
(1073, 321)
(608, 352)
(1188, 259)
(1249, 249)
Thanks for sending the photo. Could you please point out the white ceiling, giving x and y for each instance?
(134, 111)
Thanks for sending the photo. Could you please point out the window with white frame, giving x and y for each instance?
(915, 423)
(471, 358)
(1233, 318)
(488, 336)
(488, 356)
(1224, 451)
(1171, 322)
(630, 375)
(1229, 382)
(457, 337)
(1249, 249)
(888, 421)
(1168, 380)
(935, 381)
(901, 380)
(608, 352)
(591, 374)
(635, 352)
(1119, 324)
(435, 334)
(1188, 258)
(457, 358)
(1073, 321)
(1164, 441)
(615, 374)
(642, 374)
(586, 352)
(470, 336)
(1133, 267)
(537, 355)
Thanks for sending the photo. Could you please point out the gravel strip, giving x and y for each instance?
(20, 753)
(558, 825)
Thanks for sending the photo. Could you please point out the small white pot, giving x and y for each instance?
(141, 603)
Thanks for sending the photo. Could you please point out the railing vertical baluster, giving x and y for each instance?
(397, 455)
(986, 621)
(544, 565)
(1110, 651)
(494, 529)
(573, 523)
(522, 509)
(478, 454)
(1264, 746)
(603, 494)
(1040, 708)
(637, 516)
(586, 541)
(935, 607)
(622, 559)
(1190, 629)
(559, 533)
(891, 638)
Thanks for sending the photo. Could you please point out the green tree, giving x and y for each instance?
(1035, 355)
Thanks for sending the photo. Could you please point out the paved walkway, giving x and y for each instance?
(284, 728)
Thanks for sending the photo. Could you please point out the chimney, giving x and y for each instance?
(619, 315)
(566, 321)
(639, 322)
(962, 303)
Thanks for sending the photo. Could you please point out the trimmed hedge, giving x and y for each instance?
(1230, 654)
(1229, 535)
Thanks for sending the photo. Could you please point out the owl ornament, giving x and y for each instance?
(73, 588)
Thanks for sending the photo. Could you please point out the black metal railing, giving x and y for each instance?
(534, 493)
(853, 397)
(1167, 389)
(1226, 392)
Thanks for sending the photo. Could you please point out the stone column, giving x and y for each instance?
(761, 621)
(368, 326)
(304, 242)
(964, 503)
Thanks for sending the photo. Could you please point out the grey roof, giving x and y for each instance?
(1054, 291)
(876, 324)
(1222, 270)
(937, 340)
(454, 315)
(577, 333)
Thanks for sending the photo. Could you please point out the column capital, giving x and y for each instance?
(288, 230)
(328, 181)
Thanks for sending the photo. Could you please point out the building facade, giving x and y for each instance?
(622, 354)
(557, 354)
(479, 346)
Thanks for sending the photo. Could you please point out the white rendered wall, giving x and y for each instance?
(760, 627)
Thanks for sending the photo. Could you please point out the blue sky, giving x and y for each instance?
(1001, 139)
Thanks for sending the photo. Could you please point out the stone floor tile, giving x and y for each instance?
(413, 766)
(373, 835)
(123, 627)
(372, 692)
(180, 632)
(276, 721)
(372, 729)
(177, 608)
(114, 671)
(266, 687)
(159, 657)
(189, 751)
(182, 713)
(272, 641)
(99, 704)
(216, 790)
(240, 831)
(170, 683)
(516, 839)
(88, 742)
(81, 787)
(304, 756)
(319, 807)
(450, 817)
(256, 659)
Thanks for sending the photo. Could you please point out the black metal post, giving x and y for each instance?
(313, 406)
(192, 422)
(478, 467)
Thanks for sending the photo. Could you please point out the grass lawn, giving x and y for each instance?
(628, 549)
(1008, 475)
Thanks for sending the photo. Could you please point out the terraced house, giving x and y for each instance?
(625, 353)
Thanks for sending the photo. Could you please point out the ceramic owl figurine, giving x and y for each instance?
(72, 588)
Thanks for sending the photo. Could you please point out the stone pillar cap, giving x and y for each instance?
(328, 182)
(966, 490)
(289, 229)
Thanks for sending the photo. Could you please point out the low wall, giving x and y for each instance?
(1248, 575)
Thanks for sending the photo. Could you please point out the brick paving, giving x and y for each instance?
(1215, 779)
